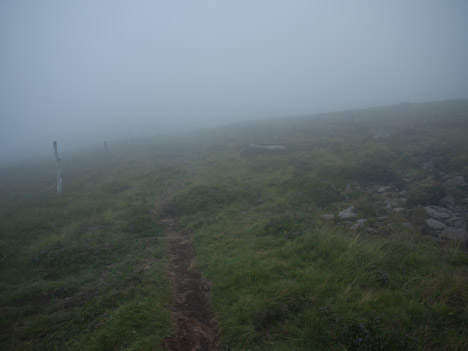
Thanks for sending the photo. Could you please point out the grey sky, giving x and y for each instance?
(82, 71)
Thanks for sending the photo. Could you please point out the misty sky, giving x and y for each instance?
(88, 70)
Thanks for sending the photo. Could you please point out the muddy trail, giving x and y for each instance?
(196, 327)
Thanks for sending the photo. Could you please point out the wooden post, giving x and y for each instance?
(59, 170)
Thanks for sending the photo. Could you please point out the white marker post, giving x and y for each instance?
(59, 170)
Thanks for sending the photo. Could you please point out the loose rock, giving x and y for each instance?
(359, 223)
(428, 166)
(454, 234)
(348, 213)
(390, 203)
(373, 231)
(435, 224)
(448, 201)
(456, 222)
(456, 181)
(383, 278)
(383, 189)
(438, 212)
(327, 217)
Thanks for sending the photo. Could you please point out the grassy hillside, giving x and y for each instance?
(85, 270)
(89, 269)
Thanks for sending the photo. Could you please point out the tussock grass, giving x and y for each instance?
(86, 270)
(282, 279)
(324, 290)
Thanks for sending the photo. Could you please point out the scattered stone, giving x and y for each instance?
(390, 203)
(435, 224)
(383, 278)
(383, 189)
(428, 166)
(372, 231)
(454, 234)
(399, 209)
(359, 223)
(352, 187)
(448, 201)
(456, 181)
(456, 222)
(327, 216)
(348, 213)
(438, 212)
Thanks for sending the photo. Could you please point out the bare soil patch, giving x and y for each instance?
(192, 313)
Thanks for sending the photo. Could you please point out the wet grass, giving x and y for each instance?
(88, 270)
(329, 288)
(283, 279)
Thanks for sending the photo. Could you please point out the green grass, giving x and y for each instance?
(282, 279)
(323, 290)
(88, 270)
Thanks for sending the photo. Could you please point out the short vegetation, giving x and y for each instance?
(88, 270)
(85, 270)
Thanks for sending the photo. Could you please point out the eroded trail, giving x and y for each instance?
(196, 324)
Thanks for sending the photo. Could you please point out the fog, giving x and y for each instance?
(86, 71)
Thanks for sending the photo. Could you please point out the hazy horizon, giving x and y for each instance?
(83, 72)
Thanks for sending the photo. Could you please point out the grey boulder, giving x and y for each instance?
(438, 212)
(359, 223)
(348, 213)
(448, 201)
(434, 224)
(454, 234)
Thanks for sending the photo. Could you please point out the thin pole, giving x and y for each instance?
(59, 170)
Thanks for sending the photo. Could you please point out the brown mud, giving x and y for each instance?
(196, 328)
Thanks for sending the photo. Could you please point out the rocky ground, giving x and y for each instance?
(436, 205)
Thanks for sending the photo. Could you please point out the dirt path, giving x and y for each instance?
(196, 324)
